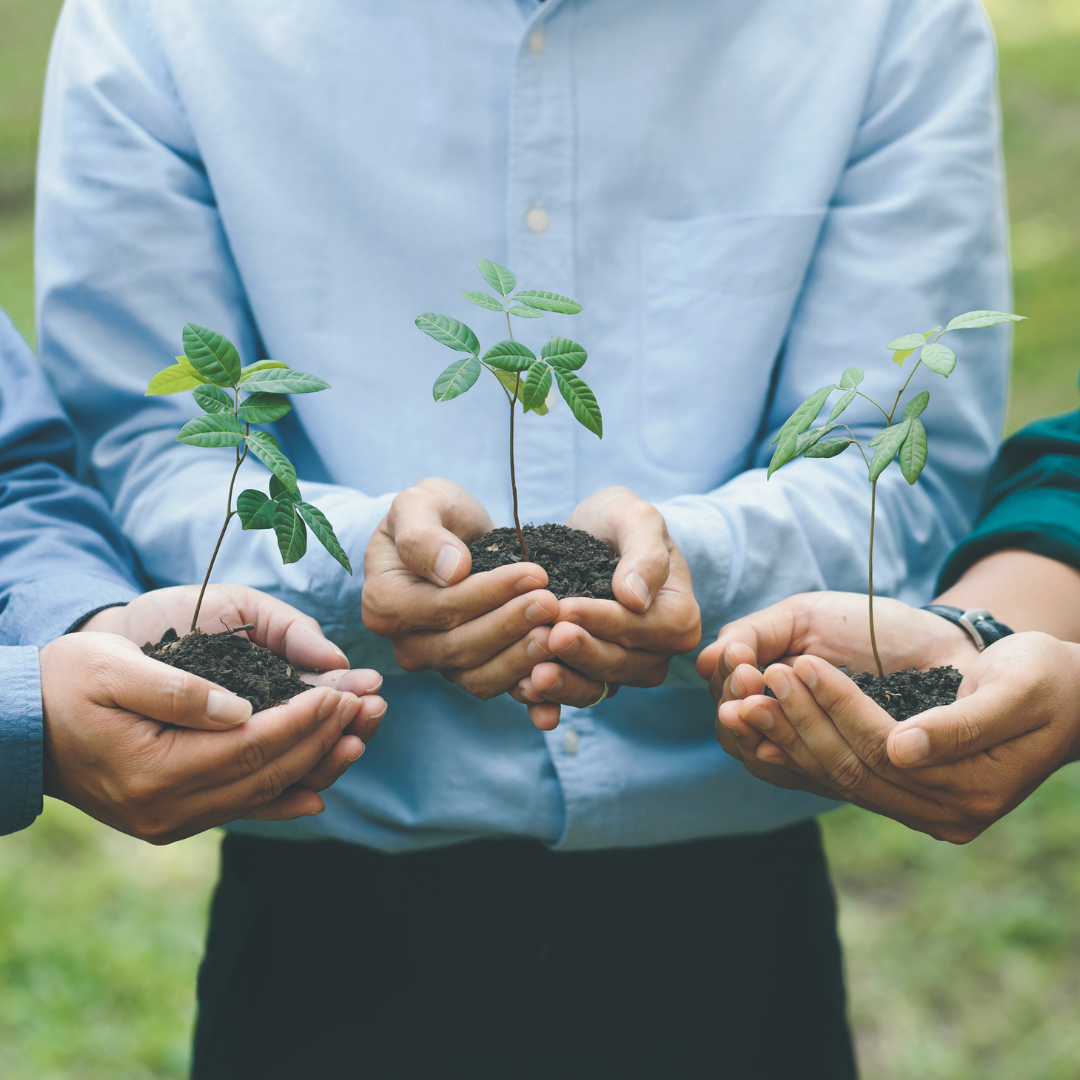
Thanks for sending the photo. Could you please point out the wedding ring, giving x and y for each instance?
(600, 698)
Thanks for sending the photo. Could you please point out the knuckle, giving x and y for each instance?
(407, 659)
(964, 734)
(252, 754)
(272, 783)
(850, 775)
(983, 807)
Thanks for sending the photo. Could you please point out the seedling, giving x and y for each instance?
(521, 375)
(906, 438)
(210, 368)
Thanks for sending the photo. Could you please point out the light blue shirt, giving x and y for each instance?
(746, 197)
(61, 558)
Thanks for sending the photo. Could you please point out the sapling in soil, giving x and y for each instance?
(905, 438)
(211, 369)
(577, 564)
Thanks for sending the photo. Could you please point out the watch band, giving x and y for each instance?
(978, 623)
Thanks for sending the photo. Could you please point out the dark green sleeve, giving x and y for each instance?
(1032, 499)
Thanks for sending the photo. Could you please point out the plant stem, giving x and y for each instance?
(513, 476)
(873, 636)
(221, 536)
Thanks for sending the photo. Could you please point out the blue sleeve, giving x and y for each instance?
(20, 738)
(62, 556)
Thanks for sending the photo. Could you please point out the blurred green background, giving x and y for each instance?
(963, 963)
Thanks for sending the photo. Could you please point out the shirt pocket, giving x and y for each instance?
(717, 294)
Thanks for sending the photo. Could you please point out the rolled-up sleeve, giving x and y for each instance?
(20, 738)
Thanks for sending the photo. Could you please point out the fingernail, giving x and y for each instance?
(449, 559)
(763, 721)
(225, 708)
(636, 584)
(537, 613)
(526, 692)
(344, 658)
(329, 704)
(359, 754)
(911, 746)
(379, 715)
(808, 674)
(537, 651)
(315, 813)
(528, 584)
(729, 659)
(737, 687)
(779, 684)
(572, 648)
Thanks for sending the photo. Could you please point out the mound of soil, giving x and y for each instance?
(577, 564)
(902, 694)
(232, 662)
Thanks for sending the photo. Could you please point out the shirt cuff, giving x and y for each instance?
(1045, 521)
(20, 738)
(40, 611)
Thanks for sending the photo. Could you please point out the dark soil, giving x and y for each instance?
(577, 564)
(902, 694)
(232, 662)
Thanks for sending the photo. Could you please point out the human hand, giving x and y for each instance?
(951, 771)
(278, 626)
(628, 641)
(836, 627)
(161, 754)
(483, 632)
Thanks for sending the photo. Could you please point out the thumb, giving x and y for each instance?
(138, 684)
(427, 522)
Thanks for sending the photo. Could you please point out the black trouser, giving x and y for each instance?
(504, 960)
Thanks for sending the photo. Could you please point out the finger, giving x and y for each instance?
(545, 717)
(294, 803)
(504, 670)
(477, 641)
(768, 719)
(736, 736)
(396, 601)
(767, 635)
(346, 752)
(356, 681)
(428, 523)
(159, 692)
(372, 710)
(560, 685)
(981, 721)
(744, 681)
(604, 661)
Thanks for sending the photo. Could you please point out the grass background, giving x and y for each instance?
(963, 963)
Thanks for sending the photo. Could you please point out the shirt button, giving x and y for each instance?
(571, 740)
(537, 219)
(536, 42)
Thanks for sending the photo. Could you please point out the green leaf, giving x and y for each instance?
(851, 378)
(498, 277)
(564, 354)
(548, 301)
(913, 451)
(212, 429)
(829, 448)
(931, 333)
(290, 381)
(265, 447)
(526, 312)
(537, 385)
(291, 533)
(808, 439)
(171, 380)
(784, 452)
(509, 356)
(212, 355)
(456, 379)
(280, 493)
(263, 408)
(888, 442)
(805, 414)
(262, 365)
(449, 332)
(977, 320)
(510, 380)
(916, 405)
(484, 300)
(908, 342)
(939, 358)
(581, 400)
(212, 399)
(324, 532)
(898, 358)
(841, 405)
(255, 509)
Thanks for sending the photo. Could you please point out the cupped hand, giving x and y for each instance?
(628, 641)
(481, 631)
(951, 771)
(834, 626)
(277, 626)
(161, 754)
